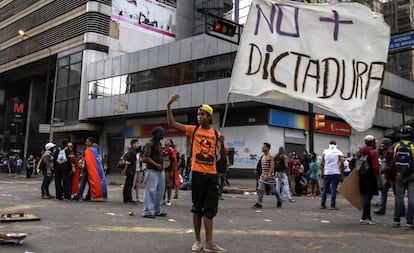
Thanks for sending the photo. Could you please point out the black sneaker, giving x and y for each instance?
(162, 214)
(257, 205)
(279, 204)
(151, 216)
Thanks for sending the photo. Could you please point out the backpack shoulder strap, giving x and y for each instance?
(216, 134)
(192, 138)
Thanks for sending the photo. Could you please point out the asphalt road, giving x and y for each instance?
(70, 226)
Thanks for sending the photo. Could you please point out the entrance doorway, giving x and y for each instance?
(298, 148)
(115, 151)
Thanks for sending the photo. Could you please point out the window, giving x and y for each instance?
(216, 67)
(68, 85)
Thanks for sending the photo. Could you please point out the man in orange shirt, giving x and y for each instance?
(204, 140)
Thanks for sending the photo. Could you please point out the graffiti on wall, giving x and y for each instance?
(244, 157)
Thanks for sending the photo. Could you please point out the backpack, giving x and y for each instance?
(123, 161)
(259, 167)
(363, 164)
(61, 157)
(279, 163)
(403, 159)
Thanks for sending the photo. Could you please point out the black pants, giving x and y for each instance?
(29, 172)
(129, 181)
(62, 184)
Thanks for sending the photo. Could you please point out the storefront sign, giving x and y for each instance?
(301, 121)
(335, 127)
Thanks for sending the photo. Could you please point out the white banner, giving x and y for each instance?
(152, 16)
(332, 55)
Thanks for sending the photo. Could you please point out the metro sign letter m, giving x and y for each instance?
(18, 107)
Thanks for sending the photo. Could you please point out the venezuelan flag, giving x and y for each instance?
(96, 175)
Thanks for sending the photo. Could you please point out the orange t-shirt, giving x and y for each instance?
(204, 149)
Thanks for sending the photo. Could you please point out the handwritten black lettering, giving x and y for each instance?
(341, 78)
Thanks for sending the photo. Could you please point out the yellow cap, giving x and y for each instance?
(207, 108)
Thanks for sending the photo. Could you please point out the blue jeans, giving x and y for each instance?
(282, 177)
(45, 185)
(272, 190)
(384, 194)
(400, 188)
(154, 190)
(82, 184)
(333, 181)
(366, 210)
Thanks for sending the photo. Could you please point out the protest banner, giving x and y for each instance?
(331, 55)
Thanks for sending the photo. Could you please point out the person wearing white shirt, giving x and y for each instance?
(332, 168)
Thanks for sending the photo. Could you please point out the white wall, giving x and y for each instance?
(247, 142)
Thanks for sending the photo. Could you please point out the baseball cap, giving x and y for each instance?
(207, 108)
(369, 138)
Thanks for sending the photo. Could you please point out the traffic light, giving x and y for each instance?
(319, 121)
(225, 28)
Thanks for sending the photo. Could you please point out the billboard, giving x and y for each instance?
(156, 17)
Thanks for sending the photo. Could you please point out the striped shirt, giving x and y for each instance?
(265, 177)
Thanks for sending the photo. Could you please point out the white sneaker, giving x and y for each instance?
(215, 249)
(366, 222)
(168, 203)
(196, 246)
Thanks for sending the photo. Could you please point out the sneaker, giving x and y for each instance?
(334, 208)
(396, 224)
(216, 249)
(168, 203)
(409, 227)
(257, 205)
(279, 204)
(196, 246)
(161, 214)
(322, 207)
(151, 216)
(366, 222)
(291, 200)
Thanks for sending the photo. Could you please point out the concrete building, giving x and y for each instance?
(107, 68)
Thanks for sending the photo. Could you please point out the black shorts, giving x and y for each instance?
(204, 192)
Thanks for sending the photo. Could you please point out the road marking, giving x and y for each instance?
(318, 245)
(20, 208)
(301, 234)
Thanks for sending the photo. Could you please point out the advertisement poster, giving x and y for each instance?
(152, 16)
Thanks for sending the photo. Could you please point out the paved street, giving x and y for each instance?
(69, 226)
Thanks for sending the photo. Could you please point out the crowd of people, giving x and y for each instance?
(389, 166)
(162, 169)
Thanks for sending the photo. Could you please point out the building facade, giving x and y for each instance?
(107, 68)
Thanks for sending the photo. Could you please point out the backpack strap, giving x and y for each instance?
(192, 140)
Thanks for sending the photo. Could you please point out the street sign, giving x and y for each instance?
(44, 128)
(401, 42)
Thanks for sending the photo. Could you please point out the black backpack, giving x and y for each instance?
(363, 164)
(403, 159)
